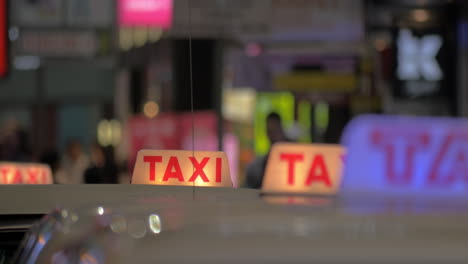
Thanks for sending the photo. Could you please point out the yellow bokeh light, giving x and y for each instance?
(151, 109)
(154, 34)
(104, 134)
(109, 132)
(125, 39)
(140, 36)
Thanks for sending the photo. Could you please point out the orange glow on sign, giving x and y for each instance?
(311, 169)
(183, 168)
(18, 173)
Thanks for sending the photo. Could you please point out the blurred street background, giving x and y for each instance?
(85, 84)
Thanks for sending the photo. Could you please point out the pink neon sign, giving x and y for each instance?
(155, 13)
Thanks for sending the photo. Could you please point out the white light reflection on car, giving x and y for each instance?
(118, 224)
(136, 228)
(100, 210)
(154, 222)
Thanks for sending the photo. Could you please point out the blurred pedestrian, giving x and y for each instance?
(15, 145)
(51, 157)
(256, 169)
(103, 168)
(73, 164)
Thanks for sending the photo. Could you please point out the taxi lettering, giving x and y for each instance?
(449, 165)
(174, 171)
(454, 153)
(182, 168)
(35, 176)
(17, 174)
(11, 175)
(414, 156)
(318, 171)
(304, 169)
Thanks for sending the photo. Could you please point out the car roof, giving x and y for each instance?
(41, 199)
(211, 225)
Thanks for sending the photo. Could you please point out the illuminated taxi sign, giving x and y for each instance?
(19, 173)
(308, 169)
(185, 168)
(407, 155)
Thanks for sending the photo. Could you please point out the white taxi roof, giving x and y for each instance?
(41, 199)
(256, 231)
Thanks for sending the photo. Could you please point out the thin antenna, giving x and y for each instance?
(191, 88)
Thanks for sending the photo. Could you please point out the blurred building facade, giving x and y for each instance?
(62, 59)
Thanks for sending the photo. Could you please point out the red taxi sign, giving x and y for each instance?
(19, 173)
(306, 169)
(407, 155)
(183, 168)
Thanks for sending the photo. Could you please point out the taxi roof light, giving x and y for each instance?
(305, 169)
(25, 173)
(182, 168)
(417, 156)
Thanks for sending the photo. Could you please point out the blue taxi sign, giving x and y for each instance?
(406, 155)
